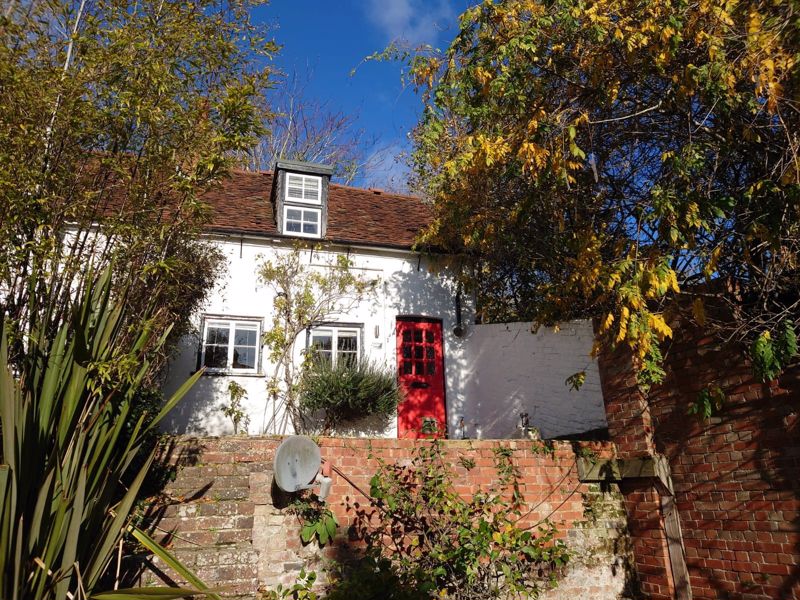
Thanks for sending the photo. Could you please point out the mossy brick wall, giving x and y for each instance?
(223, 517)
(736, 475)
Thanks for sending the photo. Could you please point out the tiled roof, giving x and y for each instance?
(241, 204)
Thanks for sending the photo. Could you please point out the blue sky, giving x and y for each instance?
(331, 38)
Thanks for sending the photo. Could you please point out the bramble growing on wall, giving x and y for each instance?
(438, 543)
(233, 409)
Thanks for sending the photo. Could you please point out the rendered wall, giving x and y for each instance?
(510, 370)
(224, 523)
(408, 284)
(492, 373)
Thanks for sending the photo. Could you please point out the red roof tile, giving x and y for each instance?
(241, 204)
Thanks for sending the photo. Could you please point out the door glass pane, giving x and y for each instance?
(419, 367)
(431, 368)
(406, 351)
(417, 351)
(429, 352)
(429, 337)
(406, 336)
(407, 366)
(418, 336)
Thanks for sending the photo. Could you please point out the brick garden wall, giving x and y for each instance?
(224, 522)
(736, 476)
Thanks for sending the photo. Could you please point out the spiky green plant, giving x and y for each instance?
(65, 453)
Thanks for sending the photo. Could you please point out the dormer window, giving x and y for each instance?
(301, 221)
(303, 188)
(300, 198)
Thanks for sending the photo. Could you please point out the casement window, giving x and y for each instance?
(230, 345)
(302, 221)
(336, 345)
(306, 189)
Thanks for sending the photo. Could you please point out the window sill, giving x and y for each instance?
(230, 374)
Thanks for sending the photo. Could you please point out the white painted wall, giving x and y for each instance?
(408, 284)
(510, 370)
(492, 373)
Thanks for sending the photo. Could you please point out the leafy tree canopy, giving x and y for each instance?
(118, 112)
(603, 158)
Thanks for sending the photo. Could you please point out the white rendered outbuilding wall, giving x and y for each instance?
(492, 373)
(511, 370)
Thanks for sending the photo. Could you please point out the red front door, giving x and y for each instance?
(420, 364)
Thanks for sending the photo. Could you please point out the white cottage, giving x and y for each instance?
(474, 381)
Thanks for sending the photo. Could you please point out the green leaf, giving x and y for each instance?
(172, 562)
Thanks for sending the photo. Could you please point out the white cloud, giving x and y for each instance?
(413, 21)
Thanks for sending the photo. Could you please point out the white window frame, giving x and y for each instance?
(303, 200)
(231, 322)
(303, 209)
(335, 331)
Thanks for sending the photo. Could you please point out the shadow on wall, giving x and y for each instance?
(515, 371)
(735, 474)
(199, 412)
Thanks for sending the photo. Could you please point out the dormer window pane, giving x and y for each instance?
(303, 188)
(302, 221)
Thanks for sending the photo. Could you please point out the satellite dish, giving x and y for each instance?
(297, 462)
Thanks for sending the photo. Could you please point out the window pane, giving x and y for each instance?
(429, 337)
(347, 341)
(293, 214)
(406, 367)
(311, 216)
(429, 352)
(244, 358)
(431, 368)
(310, 228)
(418, 352)
(349, 359)
(406, 351)
(322, 341)
(418, 336)
(293, 226)
(245, 337)
(406, 336)
(216, 357)
(419, 368)
(217, 335)
(312, 189)
(323, 356)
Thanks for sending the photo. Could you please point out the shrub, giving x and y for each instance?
(433, 542)
(346, 392)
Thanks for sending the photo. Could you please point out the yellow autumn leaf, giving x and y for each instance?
(660, 326)
(699, 311)
(607, 322)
